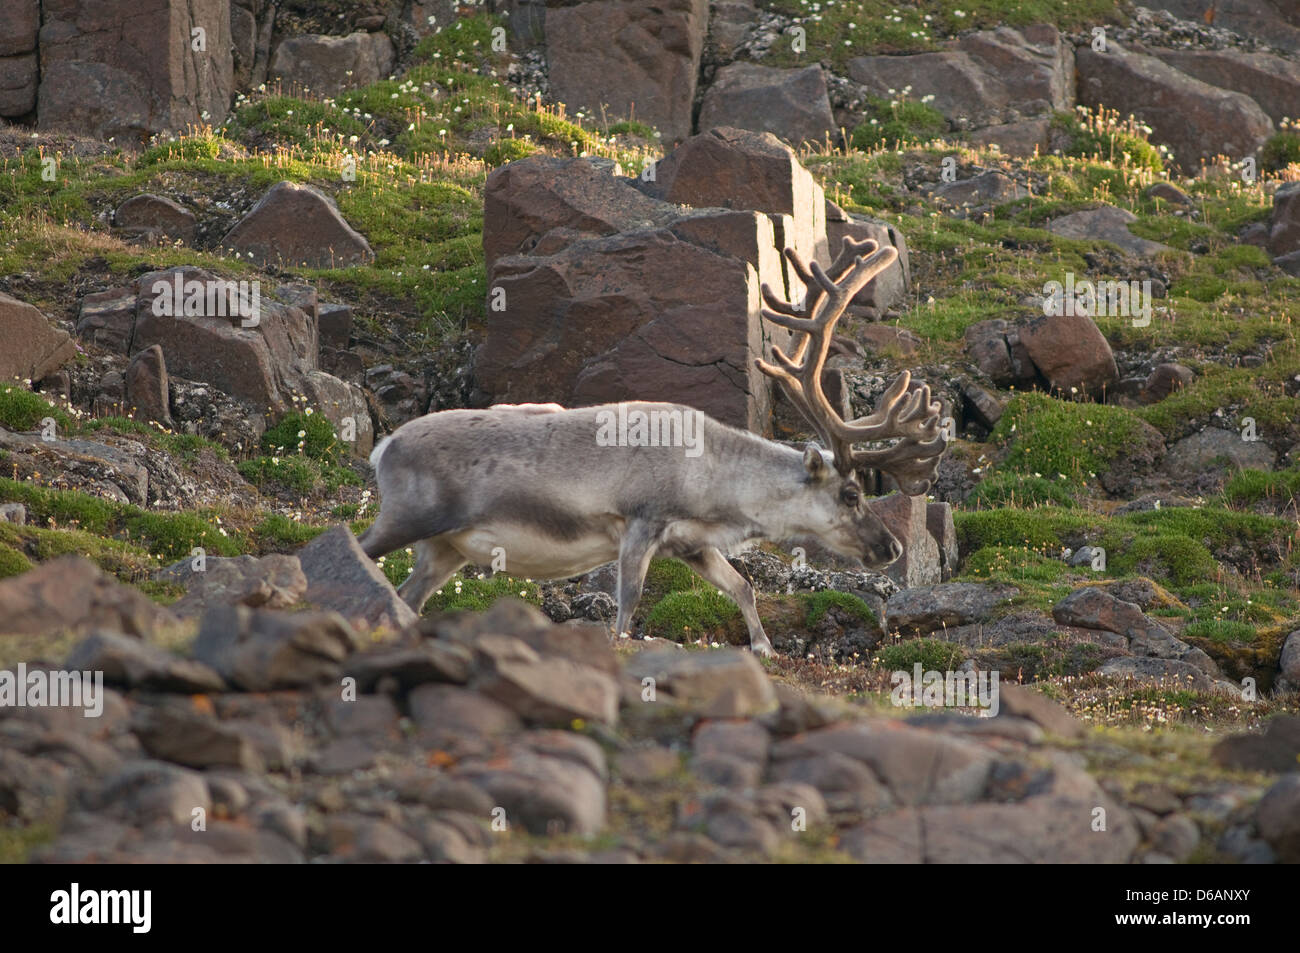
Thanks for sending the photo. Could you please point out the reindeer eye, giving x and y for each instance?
(849, 496)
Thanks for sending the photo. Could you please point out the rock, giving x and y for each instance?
(107, 318)
(20, 24)
(889, 288)
(267, 359)
(269, 582)
(1091, 607)
(327, 65)
(146, 791)
(731, 821)
(1271, 81)
(636, 58)
(1194, 454)
(19, 81)
(146, 387)
(885, 338)
(1070, 352)
(982, 407)
(448, 716)
(942, 529)
(132, 663)
(335, 325)
(1169, 193)
(1196, 120)
(987, 188)
(738, 169)
(261, 649)
(1289, 663)
(33, 348)
(908, 519)
(923, 610)
(1166, 379)
(72, 594)
(1105, 223)
(1053, 717)
(14, 513)
(94, 81)
(367, 840)
(1278, 818)
(985, 78)
(1284, 224)
(1053, 824)
(295, 224)
(181, 733)
(626, 338)
(725, 683)
(551, 691)
(340, 576)
(790, 103)
(917, 766)
(1160, 670)
(1022, 139)
(116, 472)
(746, 740)
(155, 217)
(1277, 749)
(409, 666)
(545, 795)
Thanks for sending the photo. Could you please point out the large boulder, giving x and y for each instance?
(295, 224)
(1274, 22)
(32, 346)
(985, 78)
(735, 168)
(1106, 223)
(327, 65)
(1071, 353)
(790, 103)
(269, 360)
(72, 594)
(1271, 81)
(638, 59)
(112, 73)
(1195, 120)
(889, 288)
(20, 20)
(1284, 225)
(592, 324)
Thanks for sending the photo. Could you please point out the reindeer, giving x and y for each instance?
(533, 482)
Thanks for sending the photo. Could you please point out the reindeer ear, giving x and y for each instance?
(813, 461)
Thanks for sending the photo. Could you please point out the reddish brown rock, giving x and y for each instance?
(33, 347)
(789, 103)
(1070, 352)
(296, 224)
(146, 387)
(637, 58)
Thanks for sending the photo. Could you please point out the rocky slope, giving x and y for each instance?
(1114, 531)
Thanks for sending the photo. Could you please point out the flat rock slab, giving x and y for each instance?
(923, 610)
(296, 224)
(726, 683)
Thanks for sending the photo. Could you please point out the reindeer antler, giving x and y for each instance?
(913, 461)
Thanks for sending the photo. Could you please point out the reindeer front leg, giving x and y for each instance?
(634, 554)
(713, 566)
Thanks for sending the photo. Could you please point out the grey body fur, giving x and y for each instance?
(531, 481)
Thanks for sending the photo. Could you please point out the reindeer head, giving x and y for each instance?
(837, 508)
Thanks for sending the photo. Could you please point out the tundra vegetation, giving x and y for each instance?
(1224, 566)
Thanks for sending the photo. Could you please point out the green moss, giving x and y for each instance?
(1054, 439)
(933, 655)
(1221, 630)
(820, 603)
(689, 615)
(1106, 136)
(901, 120)
(278, 533)
(1016, 489)
(1279, 151)
(299, 474)
(507, 150)
(23, 410)
(477, 594)
(310, 434)
(1248, 487)
(12, 562)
